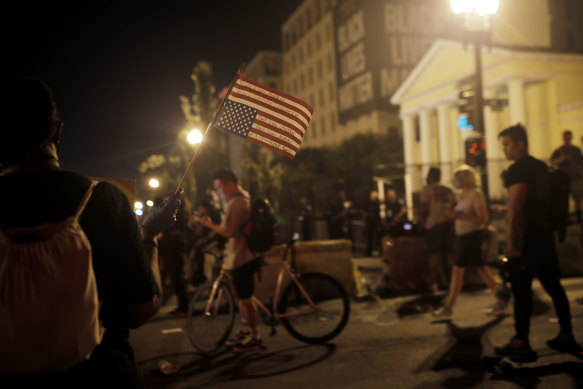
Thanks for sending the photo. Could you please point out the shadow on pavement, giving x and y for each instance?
(464, 352)
(202, 371)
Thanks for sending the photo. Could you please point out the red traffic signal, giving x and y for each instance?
(475, 149)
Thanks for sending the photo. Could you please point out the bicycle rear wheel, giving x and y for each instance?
(331, 315)
(208, 330)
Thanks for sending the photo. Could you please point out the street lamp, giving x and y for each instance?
(476, 15)
(194, 137)
(154, 183)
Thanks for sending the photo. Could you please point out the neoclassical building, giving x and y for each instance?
(543, 90)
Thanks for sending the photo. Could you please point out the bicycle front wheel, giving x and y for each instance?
(331, 313)
(208, 329)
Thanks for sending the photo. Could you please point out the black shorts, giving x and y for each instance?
(243, 278)
(439, 239)
(470, 249)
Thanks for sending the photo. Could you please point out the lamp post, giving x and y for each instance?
(476, 14)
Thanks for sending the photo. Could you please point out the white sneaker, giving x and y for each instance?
(443, 314)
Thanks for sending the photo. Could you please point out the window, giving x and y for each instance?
(332, 121)
(328, 32)
(321, 97)
(311, 75)
(309, 47)
(302, 82)
(301, 55)
(318, 41)
(330, 63)
(320, 69)
(323, 125)
(312, 100)
(294, 63)
(332, 91)
(295, 86)
(313, 129)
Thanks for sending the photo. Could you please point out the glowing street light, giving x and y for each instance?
(150, 203)
(138, 205)
(154, 183)
(482, 7)
(194, 137)
(486, 7)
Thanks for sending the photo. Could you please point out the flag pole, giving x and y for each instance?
(211, 124)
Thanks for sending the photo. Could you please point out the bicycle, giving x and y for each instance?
(314, 307)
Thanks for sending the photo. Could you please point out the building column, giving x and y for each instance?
(411, 172)
(494, 156)
(427, 157)
(444, 130)
(517, 102)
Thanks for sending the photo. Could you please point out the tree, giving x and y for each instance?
(199, 111)
(261, 173)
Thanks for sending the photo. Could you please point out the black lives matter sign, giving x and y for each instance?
(378, 43)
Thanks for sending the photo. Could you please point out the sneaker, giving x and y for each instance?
(443, 314)
(516, 348)
(499, 309)
(237, 339)
(250, 343)
(566, 344)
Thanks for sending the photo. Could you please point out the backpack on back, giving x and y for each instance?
(552, 201)
(262, 235)
(48, 297)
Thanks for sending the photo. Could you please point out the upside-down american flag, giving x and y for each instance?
(265, 116)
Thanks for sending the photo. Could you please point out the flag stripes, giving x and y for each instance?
(265, 116)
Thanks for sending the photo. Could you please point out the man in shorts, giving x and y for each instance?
(239, 260)
(569, 159)
(437, 203)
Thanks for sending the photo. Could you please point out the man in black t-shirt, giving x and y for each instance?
(530, 249)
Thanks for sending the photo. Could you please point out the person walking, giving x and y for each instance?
(470, 219)
(530, 249)
(437, 202)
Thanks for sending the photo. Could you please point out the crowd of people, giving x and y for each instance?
(124, 255)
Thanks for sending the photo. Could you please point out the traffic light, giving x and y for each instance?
(467, 107)
(475, 151)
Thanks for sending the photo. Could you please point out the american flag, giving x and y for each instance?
(265, 116)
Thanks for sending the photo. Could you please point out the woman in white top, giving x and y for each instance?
(471, 217)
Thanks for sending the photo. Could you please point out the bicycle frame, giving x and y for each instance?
(225, 278)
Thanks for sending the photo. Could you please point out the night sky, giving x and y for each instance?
(117, 68)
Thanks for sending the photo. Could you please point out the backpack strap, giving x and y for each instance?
(239, 194)
(84, 200)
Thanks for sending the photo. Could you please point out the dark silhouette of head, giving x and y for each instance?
(29, 120)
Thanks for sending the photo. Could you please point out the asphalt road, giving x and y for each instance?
(388, 343)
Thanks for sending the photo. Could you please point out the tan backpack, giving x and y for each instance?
(48, 297)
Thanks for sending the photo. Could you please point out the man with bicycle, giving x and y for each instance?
(239, 260)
